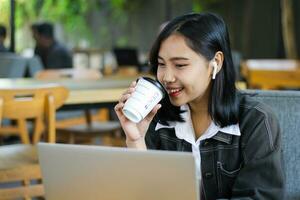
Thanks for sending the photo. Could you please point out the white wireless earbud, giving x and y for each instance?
(215, 69)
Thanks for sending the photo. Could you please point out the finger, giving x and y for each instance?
(129, 90)
(133, 84)
(124, 98)
(119, 106)
(126, 94)
(119, 112)
(151, 115)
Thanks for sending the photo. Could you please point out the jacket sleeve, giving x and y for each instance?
(262, 176)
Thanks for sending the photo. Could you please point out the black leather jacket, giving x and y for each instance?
(236, 167)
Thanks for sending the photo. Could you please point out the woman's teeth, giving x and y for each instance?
(174, 90)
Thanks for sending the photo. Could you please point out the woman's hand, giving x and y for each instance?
(135, 132)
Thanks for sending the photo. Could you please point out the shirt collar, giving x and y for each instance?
(184, 130)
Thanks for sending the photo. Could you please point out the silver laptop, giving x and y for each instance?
(111, 173)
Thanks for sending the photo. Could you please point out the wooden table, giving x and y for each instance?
(105, 91)
(272, 73)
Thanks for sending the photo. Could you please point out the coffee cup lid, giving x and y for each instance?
(156, 83)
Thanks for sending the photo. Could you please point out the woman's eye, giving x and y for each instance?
(180, 65)
(161, 64)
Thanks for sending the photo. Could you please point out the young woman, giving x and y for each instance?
(235, 140)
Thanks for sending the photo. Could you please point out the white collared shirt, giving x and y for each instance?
(185, 131)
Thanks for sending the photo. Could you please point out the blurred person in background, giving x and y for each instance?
(2, 38)
(53, 54)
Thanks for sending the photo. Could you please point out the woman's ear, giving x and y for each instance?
(217, 63)
(219, 58)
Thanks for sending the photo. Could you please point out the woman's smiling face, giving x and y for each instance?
(185, 74)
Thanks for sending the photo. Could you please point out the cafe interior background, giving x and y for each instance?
(265, 39)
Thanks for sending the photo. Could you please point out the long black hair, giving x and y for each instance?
(204, 33)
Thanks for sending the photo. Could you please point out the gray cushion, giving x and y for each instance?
(286, 105)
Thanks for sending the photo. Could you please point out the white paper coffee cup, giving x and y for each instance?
(147, 94)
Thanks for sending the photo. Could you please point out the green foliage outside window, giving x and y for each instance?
(73, 15)
(4, 12)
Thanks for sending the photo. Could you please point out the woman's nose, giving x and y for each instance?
(168, 76)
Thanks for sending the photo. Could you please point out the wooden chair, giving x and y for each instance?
(31, 103)
(19, 163)
(88, 126)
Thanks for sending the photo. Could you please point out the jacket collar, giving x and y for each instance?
(184, 130)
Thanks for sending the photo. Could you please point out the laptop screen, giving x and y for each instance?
(110, 173)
